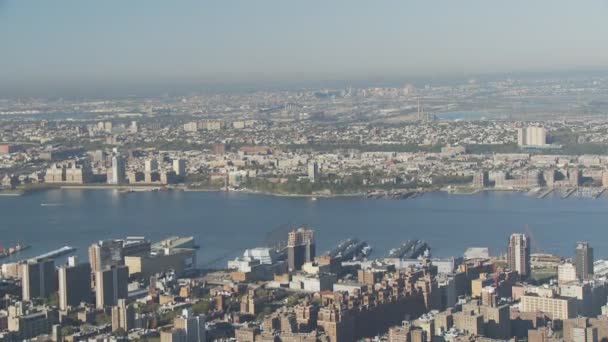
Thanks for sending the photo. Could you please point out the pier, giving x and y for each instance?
(545, 193)
(568, 193)
(55, 253)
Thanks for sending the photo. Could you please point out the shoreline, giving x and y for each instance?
(380, 194)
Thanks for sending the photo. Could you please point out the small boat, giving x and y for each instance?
(51, 204)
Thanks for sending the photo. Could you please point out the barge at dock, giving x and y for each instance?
(410, 249)
(351, 249)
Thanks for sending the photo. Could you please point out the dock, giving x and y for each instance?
(545, 193)
(569, 193)
(600, 193)
(55, 253)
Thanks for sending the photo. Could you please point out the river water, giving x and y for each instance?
(224, 224)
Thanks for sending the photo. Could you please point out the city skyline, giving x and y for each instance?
(313, 171)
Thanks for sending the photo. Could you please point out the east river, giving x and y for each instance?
(224, 224)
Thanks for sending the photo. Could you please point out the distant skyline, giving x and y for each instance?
(70, 43)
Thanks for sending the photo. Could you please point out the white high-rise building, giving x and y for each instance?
(151, 165)
(534, 136)
(117, 174)
(518, 256)
(179, 167)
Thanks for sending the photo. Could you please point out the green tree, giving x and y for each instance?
(52, 299)
(120, 332)
(201, 308)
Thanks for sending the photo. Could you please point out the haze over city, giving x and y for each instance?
(312, 171)
(74, 44)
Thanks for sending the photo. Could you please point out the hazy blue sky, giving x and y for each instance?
(138, 40)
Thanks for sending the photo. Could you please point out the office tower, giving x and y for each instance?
(150, 165)
(179, 167)
(38, 279)
(123, 316)
(313, 171)
(104, 254)
(518, 257)
(117, 174)
(111, 285)
(74, 284)
(300, 248)
(194, 326)
(584, 260)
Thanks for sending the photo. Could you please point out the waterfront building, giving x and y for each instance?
(179, 167)
(106, 253)
(300, 248)
(584, 261)
(180, 260)
(38, 279)
(175, 242)
(518, 255)
(117, 172)
(481, 179)
(313, 171)
(136, 246)
(70, 172)
(111, 285)
(74, 284)
(9, 182)
(150, 165)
